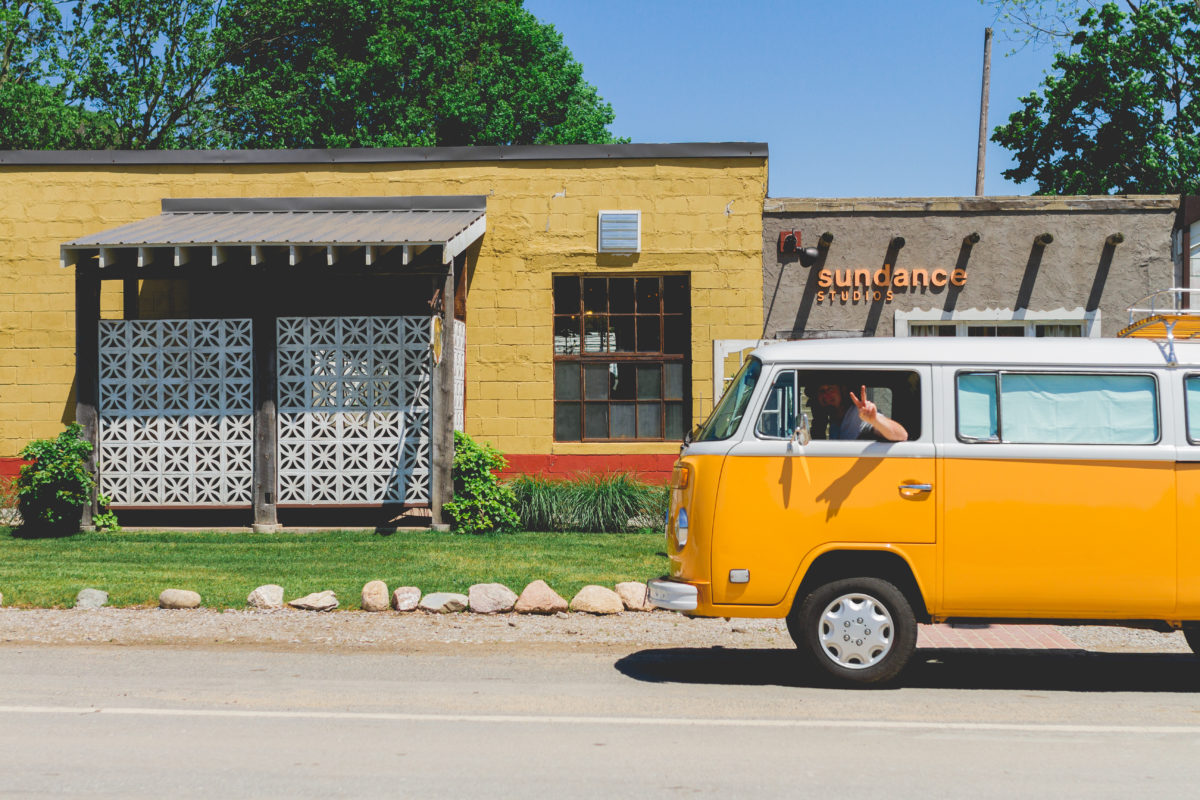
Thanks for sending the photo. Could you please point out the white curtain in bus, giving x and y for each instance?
(1078, 409)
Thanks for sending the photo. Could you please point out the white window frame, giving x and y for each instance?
(1028, 320)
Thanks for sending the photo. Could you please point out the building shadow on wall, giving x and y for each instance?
(800, 323)
(1101, 279)
(953, 291)
(1032, 267)
(876, 310)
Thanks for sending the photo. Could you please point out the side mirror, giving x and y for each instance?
(803, 433)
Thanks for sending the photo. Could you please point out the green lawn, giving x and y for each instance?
(225, 567)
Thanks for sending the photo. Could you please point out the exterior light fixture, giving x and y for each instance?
(897, 241)
(789, 241)
(1114, 239)
(808, 256)
(825, 240)
(1043, 239)
(971, 238)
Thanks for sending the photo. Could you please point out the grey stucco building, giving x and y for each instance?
(984, 266)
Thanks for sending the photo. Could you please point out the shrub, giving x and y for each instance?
(481, 503)
(53, 490)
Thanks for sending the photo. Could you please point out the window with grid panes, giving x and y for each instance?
(621, 348)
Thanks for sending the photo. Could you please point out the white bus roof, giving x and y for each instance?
(982, 351)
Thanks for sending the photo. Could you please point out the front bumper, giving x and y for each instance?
(672, 595)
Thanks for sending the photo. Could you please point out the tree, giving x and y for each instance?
(1119, 111)
(146, 66)
(398, 73)
(33, 112)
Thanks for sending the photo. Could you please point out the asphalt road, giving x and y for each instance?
(587, 720)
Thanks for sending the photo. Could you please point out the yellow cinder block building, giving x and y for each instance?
(269, 331)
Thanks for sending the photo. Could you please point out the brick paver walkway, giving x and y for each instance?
(993, 637)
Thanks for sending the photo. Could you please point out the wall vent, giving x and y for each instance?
(620, 232)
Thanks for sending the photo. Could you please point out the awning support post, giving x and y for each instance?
(266, 443)
(442, 402)
(87, 369)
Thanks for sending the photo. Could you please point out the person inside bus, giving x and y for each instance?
(852, 418)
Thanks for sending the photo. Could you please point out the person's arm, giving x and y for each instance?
(885, 426)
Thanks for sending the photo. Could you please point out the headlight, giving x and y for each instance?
(681, 528)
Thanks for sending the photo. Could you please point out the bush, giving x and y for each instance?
(611, 503)
(53, 490)
(481, 503)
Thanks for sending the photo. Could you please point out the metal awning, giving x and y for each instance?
(191, 229)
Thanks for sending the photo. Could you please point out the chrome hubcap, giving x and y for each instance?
(856, 631)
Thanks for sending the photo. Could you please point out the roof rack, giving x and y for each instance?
(1167, 315)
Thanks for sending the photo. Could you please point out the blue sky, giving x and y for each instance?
(861, 98)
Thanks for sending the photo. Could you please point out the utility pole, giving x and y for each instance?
(983, 110)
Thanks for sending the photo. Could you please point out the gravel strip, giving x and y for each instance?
(289, 629)
(343, 629)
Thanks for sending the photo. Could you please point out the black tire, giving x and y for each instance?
(1192, 634)
(877, 631)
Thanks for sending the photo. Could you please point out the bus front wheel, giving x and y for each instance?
(858, 630)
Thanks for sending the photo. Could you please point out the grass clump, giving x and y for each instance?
(610, 503)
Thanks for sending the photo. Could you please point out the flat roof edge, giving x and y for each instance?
(926, 205)
(470, 202)
(396, 155)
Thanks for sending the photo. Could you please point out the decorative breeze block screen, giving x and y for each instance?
(176, 412)
(354, 410)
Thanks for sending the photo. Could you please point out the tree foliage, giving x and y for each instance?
(1118, 113)
(147, 67)
(387, 73)
(162, 74)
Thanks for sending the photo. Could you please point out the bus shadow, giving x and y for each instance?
(931, 668)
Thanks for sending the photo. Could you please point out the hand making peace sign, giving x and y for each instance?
(866, 409)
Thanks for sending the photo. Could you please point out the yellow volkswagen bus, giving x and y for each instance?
(1037, 479)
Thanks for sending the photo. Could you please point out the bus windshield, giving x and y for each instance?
(727, 416)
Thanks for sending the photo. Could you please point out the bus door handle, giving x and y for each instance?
(914, 489)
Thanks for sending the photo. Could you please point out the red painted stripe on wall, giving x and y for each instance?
(653, 468)
(9, 467)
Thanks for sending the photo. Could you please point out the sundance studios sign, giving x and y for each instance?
(858, 285)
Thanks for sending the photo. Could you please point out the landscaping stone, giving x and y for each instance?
(406, 598)
(444, 602)
(269, 596)
(91, 598)
(633, 595)
(317, 601)
(539, 598)
(491, 598)
(375, 596)
(597, 600)
(178, 598)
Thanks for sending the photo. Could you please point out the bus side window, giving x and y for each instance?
(977, 421)
(1191, 391)
(778, 418)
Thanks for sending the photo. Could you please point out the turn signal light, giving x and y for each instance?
(680, 476)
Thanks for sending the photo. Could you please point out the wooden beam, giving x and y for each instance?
(442, 407)
(265, 386)
(87, 369)
(145, 257)
(255, 255)
(129, 290)
(219, 255)
(369, 254)
(182, 256)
